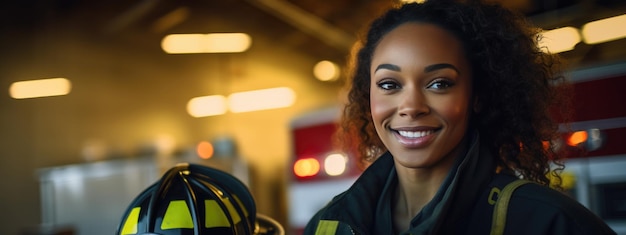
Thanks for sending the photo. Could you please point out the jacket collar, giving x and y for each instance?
(363, 194)
(472, 175)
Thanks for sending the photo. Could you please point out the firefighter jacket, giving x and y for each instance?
(463, 205)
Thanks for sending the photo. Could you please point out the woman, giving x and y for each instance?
(449, 102)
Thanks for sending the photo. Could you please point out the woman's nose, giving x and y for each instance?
(412, 104)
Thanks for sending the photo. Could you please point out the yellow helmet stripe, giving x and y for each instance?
(231, 210)
(245, 212)
(130, 225)
(176, 216)
(215, 217)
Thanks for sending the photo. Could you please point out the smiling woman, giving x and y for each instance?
(448, 104)
(419, 93)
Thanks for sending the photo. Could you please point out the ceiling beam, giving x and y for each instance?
(307, 23)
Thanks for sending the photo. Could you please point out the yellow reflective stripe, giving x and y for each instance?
(498, 221)
(177, 215)
(215, 217)
(327, 227)
(130, 225)
(493, 194)
(245, 212)
(231, 210)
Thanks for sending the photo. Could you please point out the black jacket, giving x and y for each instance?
(463, 205)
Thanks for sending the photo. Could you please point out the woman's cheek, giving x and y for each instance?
(378, 107)
(454, 110)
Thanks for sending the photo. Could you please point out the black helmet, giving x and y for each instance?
(194, 199)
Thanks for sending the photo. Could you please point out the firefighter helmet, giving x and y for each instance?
(194, 199)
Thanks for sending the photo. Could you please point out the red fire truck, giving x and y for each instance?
(597, 178)
(319, 172)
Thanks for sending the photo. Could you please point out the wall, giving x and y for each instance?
(124, 98)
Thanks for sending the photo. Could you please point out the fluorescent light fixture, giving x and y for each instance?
(559, 40)
(604, 30)
(207, 106)
(272, 98)
(206, 43)
(326, 71)
(40, 88)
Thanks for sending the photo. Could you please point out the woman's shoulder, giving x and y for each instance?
(542, 207)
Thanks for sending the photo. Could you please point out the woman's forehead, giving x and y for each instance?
(419, 41)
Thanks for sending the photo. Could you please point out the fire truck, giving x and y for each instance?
(596, 176)
(319, 171)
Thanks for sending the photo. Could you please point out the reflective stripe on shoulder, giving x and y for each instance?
(327, 227)
(502, 203)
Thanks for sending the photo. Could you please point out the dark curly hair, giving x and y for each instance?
(515, 83)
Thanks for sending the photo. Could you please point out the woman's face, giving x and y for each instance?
(420, 94)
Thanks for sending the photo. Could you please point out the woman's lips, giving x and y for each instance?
(415, 138)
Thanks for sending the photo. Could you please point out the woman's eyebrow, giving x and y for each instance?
(434, 67)
(388, 66)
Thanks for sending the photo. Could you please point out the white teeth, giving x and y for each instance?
(414, 134)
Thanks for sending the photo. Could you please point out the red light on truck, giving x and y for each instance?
(306, 167)
(577, 138)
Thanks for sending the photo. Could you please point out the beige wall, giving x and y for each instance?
(125, 97)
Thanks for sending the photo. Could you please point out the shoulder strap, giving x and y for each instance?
(502, 204)
(327, 227)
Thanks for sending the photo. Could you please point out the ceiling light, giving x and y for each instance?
(40, 88)
(206, 43)
(559, 40)
(604, 30)
(261, 99)
(207, 106)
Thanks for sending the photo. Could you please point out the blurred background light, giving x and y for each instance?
(165, 145)
(577, 138)
(205, 150)
(206, 43)
(604, 30)
(559, 40)
(326, 71)
(272, 98)
(207, 106)
(40, 88)
(306, 167)
(335, 164)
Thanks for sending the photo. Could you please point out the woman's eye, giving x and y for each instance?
(440, 84)
(388, 85)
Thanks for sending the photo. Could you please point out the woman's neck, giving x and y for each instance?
(418, 186)
(415, 189)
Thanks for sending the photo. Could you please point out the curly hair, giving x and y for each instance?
(516, 84)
